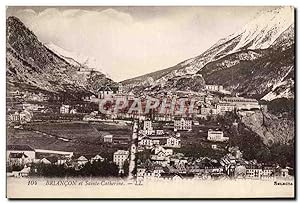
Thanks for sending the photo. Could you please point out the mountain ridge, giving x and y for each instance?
(33, 66)
(271, 30)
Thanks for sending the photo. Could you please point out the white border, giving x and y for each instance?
(109, 2)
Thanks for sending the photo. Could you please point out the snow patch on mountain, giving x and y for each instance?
(281, 89)
(75, 59)
(257, 42)
(262, 31)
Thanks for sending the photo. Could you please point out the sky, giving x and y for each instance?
(124, 42)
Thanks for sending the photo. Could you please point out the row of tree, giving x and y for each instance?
(95, 169)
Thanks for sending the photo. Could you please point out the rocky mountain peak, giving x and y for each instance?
(254, 53)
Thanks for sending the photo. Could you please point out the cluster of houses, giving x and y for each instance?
(27, 96)
(20, 117)
(164, 164)
(24, 114)
(149, 137)
(207, 103)
(165, 161)
(24, 155)
(66, 109)
(211, 105)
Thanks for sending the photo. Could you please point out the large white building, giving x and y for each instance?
(173, 142)
(108, 138)
(224, 107)
(182, 124)
(109, 91)
(145, 142)
(148, 129)
(216, 135)
(241, 102)
(120, 157)
(21, 117)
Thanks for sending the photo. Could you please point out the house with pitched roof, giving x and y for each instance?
(18, 159)
(107, 91)
(20, 153)
(49, 160)
(97, 158)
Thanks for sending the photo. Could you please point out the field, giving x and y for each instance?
(87, 138)
(78, 137)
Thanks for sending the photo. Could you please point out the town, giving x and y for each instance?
(184, 141)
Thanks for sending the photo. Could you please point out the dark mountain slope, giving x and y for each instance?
(251, 72)
(32, 66)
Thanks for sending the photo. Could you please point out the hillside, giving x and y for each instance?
(33, 67)
(252, 61)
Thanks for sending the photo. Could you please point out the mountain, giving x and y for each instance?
(72, 57)
(32, 66)
(254, 61)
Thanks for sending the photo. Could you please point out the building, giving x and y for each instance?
(196, 122)
(64, 109)
(240, 171)
(159, 132)
(108, 91)
(148, 129)
(205, 110)
(214, 87)
(84, 71)
(216, 136)
(108, 138)
(182, 124)
(214, 146)
(158, 149)
(97, 158)
(18, 159)
(73, 111)
(154, 172)
(146, 142)
(81, 160)
(20, 154)
(241, 103)
(15, 117)
(23, 173)
(140, 172)
(160, 158)
(222, 108)
(284, 173)
(173, 142)
(49, 160)
(253, 171)
(268, 171)
(20, 117)
(208, 99)
(120, 157)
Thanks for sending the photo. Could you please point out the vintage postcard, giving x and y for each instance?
(145, 102)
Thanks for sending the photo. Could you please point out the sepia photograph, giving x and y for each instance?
(150, 102)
